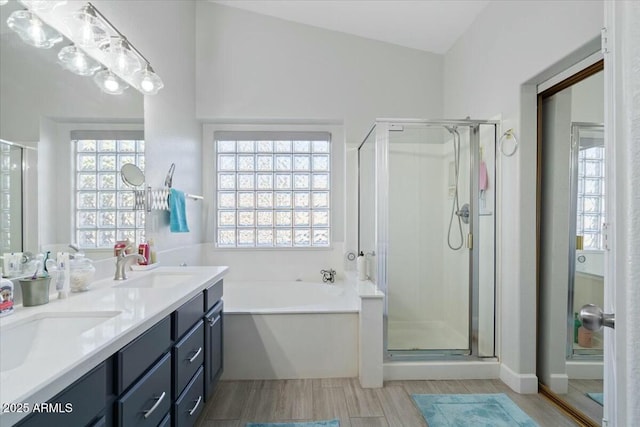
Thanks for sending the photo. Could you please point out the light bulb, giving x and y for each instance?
(111, 85)
(86, 29)
(147, 84)
(120, 58)
(36, 32)
(148, 81)
(78, 62)
(109, 82)
(3, 2)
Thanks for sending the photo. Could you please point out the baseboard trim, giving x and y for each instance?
(520, 383)
(441, 370)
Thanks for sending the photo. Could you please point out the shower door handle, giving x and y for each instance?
(593, 318)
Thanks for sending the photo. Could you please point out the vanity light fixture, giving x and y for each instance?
(96, 43)
(32, 30)
(78, 62)
(86, 29)
(110, 83)
(121, 57)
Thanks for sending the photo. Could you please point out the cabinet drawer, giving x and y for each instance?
(149, 399)
(166, 422)
(77, 405)
(213, 348)
(135, 358)
(187, 315)
(212, 295)
(188, 355)
(189, 405)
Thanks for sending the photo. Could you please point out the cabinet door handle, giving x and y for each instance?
(214, 321)
(195, 355)
(155, 405)
(196, 406)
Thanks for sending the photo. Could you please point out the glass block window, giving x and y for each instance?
(591, 214)
(10, 197)
(104, 205)
(273, 189)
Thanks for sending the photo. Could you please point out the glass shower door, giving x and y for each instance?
(428, 259)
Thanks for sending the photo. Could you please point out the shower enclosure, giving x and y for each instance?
(426, 207)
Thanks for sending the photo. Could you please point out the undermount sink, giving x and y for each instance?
(158, 280)
(17, 339)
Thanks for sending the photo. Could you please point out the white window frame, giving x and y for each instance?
(337, 178)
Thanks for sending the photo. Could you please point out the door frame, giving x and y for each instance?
(586, 72)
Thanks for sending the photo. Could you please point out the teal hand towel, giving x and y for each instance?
(177, 212)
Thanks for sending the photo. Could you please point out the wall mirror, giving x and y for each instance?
(41, 104)
(571, 258)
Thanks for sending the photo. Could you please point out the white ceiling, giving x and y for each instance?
(429, 25)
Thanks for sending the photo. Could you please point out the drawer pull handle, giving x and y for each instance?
(196, 406)
(155, 405)
(195, 355)
(214, 321)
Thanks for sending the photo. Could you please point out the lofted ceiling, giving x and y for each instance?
(429, 25)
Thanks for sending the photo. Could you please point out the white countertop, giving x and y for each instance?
(57, 358)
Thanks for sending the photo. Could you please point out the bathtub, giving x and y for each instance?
(290, 329)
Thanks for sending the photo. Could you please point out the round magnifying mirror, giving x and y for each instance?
(132, 175)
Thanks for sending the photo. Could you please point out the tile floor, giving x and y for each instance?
(237, 402)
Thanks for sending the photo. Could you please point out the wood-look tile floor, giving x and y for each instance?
(236, 403)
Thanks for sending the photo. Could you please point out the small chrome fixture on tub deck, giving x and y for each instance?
(328, 276)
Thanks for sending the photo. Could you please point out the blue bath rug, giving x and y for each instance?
(477, 410)
(326, 423)
(598, 397)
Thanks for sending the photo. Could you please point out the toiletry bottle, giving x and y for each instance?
(143, 249)
(584, 337)
(576, 326)
(152, 252)
(361, 266)
(6, 297)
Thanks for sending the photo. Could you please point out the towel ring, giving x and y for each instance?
(508, 135)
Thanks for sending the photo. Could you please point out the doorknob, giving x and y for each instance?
(593, 318)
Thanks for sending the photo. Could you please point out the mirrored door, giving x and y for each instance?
(571, 208)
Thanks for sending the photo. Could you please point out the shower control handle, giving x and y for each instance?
(464, 213)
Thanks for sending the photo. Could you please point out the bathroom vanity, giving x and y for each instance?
(143, 351)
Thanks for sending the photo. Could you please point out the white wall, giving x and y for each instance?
(251, 66)
(507, 45)
(255, 69)
(164, 32)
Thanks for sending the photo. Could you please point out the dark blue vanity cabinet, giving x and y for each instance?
(82, 403)
(213, 320)
(161, 378)
(188, 352)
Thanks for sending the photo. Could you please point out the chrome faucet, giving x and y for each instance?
(328, 276)
(121, 264)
